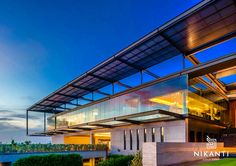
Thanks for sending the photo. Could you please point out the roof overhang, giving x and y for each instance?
(208, 23)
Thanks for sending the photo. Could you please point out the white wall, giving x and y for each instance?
(174, 131)
(58, 139)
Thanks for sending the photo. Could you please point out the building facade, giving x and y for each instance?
(182, 106)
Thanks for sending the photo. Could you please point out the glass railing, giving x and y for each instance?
(167, 95)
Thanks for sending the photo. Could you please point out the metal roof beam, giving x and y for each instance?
(80, 128)
(47, 111)
(74, 97)
(210, 76)
(171, 42)
(151, 73)
(130, 64)
(101, 78)
(208, 85)
(102, 125)
(129, 121)
(110, 81)
(122, 84)
(138, 68)
(90, 90)
(226, 72)
(63, 102)
(212, 43)
(50, 106)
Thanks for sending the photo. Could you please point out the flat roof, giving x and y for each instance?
(206, 24)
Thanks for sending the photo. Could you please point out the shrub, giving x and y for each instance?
(51, 160)
(117, 160)
(31, 148)
(137, 161)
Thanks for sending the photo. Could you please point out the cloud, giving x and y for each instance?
(6, 126)
(5, 119)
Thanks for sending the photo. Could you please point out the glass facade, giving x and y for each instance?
(206, 104)
(167, 95)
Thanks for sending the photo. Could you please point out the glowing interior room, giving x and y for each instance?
(132, 98)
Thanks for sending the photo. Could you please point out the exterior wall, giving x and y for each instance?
(174, 131)
(58, 139)
(159, 154)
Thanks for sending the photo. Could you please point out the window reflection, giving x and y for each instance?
(167, 95)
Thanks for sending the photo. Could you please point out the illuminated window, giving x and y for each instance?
(162, 134)
(153, 134)
(131, 139)
(137, 132)
(145, 135)
(124, 139)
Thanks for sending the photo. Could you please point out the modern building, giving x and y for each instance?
(139, 95)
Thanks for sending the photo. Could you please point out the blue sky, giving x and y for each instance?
(44, 44)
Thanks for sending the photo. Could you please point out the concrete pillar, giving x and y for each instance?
(91, 135)
(58, 139)
(149, 154)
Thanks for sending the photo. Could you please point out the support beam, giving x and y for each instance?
(138, 68)
(212, 43)
(209, 86)
(101, 125)
(63, 102)
(44, 121)
(210, 76)
(171, 42)
(129, 121)
(80, 128)
(226, 72)
(122, 84)
(50, 106)
(110, 81)
(90, 90)
(141, 77)
(48, 111)
(101, 78)
(151, 74)
(74, 97)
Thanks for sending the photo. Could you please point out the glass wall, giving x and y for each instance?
(168, 95)
(204, 103)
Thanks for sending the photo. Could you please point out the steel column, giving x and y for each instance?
(44, 119)
(27, 122)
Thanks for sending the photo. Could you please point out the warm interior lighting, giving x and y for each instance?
(194, 102)
(107, 134)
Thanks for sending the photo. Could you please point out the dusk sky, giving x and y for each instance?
(45, 44)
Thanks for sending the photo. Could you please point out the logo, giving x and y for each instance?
(211, 143)
(211, 150)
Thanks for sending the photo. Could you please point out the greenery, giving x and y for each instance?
(116, 160)
(51, 160)
(222, 162)
(27, 147)
(137, 161)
